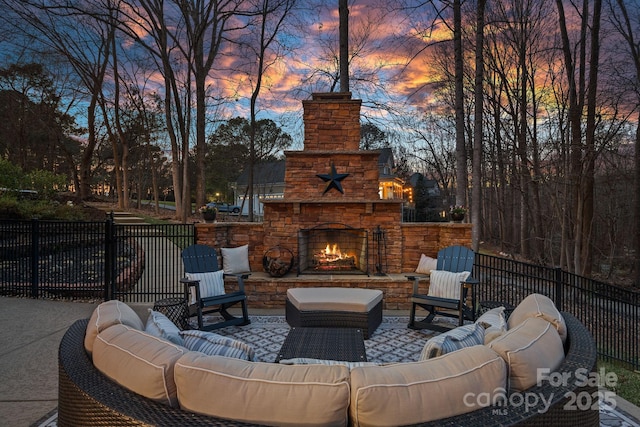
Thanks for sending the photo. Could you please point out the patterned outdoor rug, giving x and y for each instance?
(391, 342)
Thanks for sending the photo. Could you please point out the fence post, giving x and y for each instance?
(559, 289)
(109, 257)
(35, 256)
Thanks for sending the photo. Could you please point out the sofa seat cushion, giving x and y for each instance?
(455, 339)
(263, 393)
(409, 393)
(107, 314)
(537, 305)
(138, 361)
(528, 347)
(214, 344)
(352, 300)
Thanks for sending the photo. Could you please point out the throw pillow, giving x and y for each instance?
(311, 361)
(528, 347)
(445, 284)
(426, 264)
(161, 326)
(235, 260)
(213, 344)
(211, 284)
(538, 305)
(107, 314)
(455, 339)
(496, 321)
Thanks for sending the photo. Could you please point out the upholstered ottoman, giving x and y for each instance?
(335, 307)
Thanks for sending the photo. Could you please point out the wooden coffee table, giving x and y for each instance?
(346, 344)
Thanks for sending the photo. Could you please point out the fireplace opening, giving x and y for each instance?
(333, 249)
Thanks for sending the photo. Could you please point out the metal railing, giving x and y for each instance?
(610, 312)
(141, 263)
(92, 260)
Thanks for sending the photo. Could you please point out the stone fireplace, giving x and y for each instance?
(332, 198)
(333, 248)
(332, 179)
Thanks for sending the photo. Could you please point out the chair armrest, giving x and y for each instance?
(416, 280)
(188, 283)
(240, 277)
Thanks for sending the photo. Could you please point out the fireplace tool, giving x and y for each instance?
(380, 240)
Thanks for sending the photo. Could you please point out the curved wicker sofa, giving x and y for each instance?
(87, 397)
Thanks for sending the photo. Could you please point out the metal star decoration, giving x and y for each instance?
(333, 179)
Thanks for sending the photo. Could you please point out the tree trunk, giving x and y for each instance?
(477, 129)
(461, 151)
(343, 11)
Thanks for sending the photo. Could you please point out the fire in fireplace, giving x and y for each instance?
(333, 248)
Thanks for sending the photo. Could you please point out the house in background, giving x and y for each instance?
(391, 186)
(268, 183)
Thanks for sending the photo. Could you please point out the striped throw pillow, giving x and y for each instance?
(213, 344)
(211, 284)
(311, 361)
(445, 284)
(455, 339)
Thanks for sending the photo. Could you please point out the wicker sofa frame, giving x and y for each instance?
(87, 397)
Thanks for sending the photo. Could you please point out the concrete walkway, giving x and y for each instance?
(29, 338)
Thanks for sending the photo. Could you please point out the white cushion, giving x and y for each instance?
(211, 284)
(263, 393)
(160, 326)
(528, 347)
(214, 344)
(411, 393)
(538, 305)
(107, 314)
(235, 260)
(496, 321)
(352, 300)
(445, 284)
(455, 339)
(139, 362)
(426, 264)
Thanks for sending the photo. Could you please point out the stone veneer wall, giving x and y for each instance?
(268, 292)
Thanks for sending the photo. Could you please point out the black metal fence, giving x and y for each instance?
(611, 313)
(92, 260)
(141, 263)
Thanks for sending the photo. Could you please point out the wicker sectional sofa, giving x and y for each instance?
(88, 397)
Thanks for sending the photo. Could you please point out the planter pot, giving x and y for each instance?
(209, 217)
(457, 217)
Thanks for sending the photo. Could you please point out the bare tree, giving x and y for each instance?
(628, 26)
(69, 33)
(476, 191)
(269, 20)
(581, 92)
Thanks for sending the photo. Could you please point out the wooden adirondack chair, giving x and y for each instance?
(199, 259)
(454, 259)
